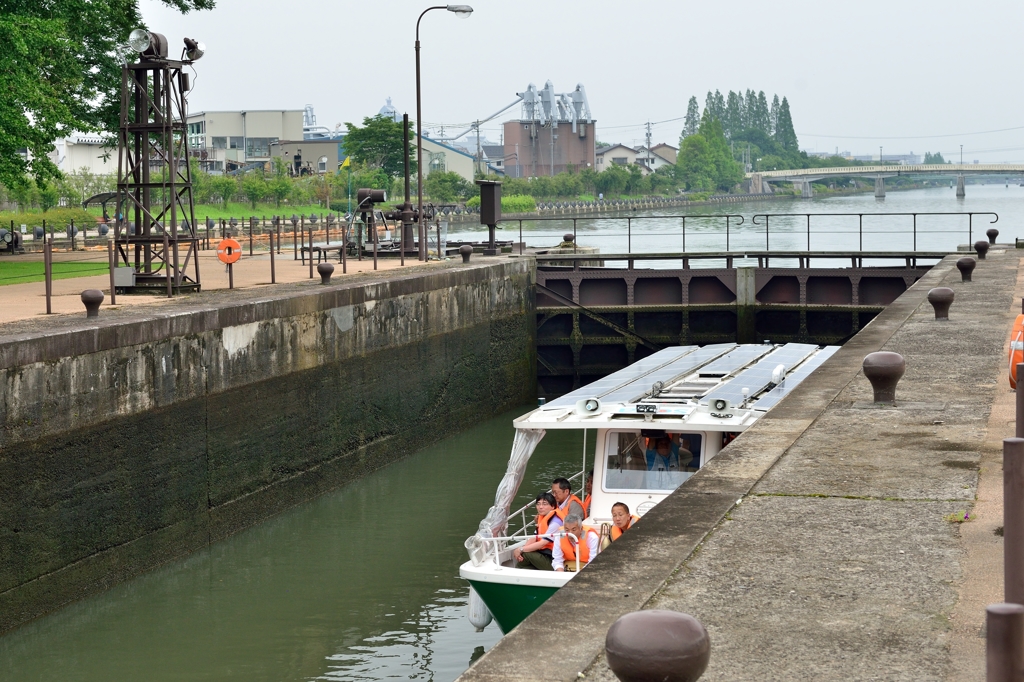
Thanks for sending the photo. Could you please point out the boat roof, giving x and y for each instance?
(725, 385)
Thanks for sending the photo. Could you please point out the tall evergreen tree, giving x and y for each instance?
(749, 109)
(719, 110)
(709, 103)
(773, 115)
(732, 123)
(763, 121)
(692, 118)
(785, 135)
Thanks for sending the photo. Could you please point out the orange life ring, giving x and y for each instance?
(229, 251)
(1016, 348)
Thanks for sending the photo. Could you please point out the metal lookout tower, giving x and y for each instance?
(156, 213)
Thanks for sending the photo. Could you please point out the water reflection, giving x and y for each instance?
(360, 584)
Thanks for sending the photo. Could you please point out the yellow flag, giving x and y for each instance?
(347, 163)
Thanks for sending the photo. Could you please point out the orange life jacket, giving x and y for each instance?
(542, 528)
(564, 511)
(1016, 348)
(569, 549)
(616, 533)
(586, 505)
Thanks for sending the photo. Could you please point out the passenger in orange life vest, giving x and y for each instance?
(567, 502)
(621, 520)
(536, 554)
(588, 488)
(585, 541)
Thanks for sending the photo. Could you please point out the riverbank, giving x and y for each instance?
(817, 544)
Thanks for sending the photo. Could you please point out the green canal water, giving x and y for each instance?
(360, 584)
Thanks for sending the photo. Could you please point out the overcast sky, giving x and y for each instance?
(909, 75)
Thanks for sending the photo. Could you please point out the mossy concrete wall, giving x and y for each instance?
(128, 443)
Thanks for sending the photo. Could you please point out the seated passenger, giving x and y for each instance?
(664, 456)
(567, 502)
(686, 458)
(536, 554)
(588, 488)
(621, 520)
(575, 539)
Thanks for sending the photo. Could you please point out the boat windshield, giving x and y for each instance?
(651, 459)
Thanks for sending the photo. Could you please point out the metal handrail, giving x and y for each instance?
(522, 510)
(499, 548)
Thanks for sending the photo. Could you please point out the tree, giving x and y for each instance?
(49, 195)
(379, 144)
(785, 136)
(446, 186)
(224, 187)
(692, 118)
(254, 187)
(705, 162)
(933, 158)
(773, 115)
(611, 181)
(280, 185)
(732, 122)
(60, 71)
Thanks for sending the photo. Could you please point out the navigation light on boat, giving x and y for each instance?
(588, 406)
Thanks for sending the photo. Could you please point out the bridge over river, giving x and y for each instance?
(803, 177)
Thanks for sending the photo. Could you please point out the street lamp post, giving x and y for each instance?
(463, 12)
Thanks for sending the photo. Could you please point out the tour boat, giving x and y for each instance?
(699, 397)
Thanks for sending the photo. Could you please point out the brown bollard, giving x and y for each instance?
(992, 233)
(657, 646)
(325, 270)
(112, 262)
(92, 298)
(941, 299)
(1004, 642)
(966, 266)
(884, 370)
(981, 246)
(270, 238)
(465, 251)
(1013, 520)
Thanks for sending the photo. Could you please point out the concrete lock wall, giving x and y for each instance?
(128, 443)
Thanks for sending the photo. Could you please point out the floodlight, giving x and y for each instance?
(461, 11)
(194, 49)
(148, 44)
(139, 39)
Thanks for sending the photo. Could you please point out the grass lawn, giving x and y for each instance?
(240, 211)
(20, 272)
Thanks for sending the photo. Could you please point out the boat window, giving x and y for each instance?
(651, 460)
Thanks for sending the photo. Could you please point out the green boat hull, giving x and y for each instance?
(511, 604)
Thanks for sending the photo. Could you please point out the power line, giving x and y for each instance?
(912, 137)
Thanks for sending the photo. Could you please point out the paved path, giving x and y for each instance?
(25, 301)
(817, 545)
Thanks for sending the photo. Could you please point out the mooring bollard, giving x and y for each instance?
(992, 233)
(325, 270)
(657, 646)
(465, 251)
(966, 266)
(1004, 642)
(92, 298)
(981, 246)
(1013, 520)
(884, 370)
(941, 299)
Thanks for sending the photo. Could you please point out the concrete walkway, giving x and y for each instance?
(26, 301)
(817, 545)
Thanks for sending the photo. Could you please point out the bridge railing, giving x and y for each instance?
(726, 232)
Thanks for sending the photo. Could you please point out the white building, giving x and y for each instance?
(86, 151)
(227, 140)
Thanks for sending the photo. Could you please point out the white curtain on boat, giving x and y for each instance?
(496, 522)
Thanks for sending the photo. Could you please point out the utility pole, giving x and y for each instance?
(650, 158)
(479, 153)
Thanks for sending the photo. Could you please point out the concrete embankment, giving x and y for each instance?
(818, 545)
(147, 433)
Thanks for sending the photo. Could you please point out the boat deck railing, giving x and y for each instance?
(493, 547)
(527, 522)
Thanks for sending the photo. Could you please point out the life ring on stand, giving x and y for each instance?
(1016, 348)
(229, 251)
